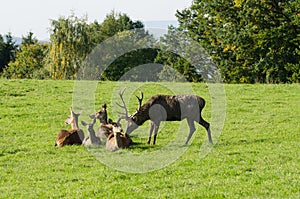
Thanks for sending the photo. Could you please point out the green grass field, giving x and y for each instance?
(256, 156)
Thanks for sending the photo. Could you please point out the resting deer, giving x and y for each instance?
(166, 108)
(91, 139)
(117, 140)
(73, 136)
(106, 128)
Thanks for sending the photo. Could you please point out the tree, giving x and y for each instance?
(8, 50)
(29, 62)
(69, 45)
(251, 41)
(119, 54)
(119, 32)
(115, 23)
(29, 39)
(72, 39)
(178, 52)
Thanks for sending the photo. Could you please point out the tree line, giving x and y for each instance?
(250, 42)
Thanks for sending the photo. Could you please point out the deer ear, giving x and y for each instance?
(83, 123)
(104, 106)
(79, 113)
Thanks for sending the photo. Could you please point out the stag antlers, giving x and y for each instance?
(140, 99)
(125, 114)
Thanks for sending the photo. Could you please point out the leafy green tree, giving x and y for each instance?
(69, 45)
(8, 50)
(29, 62)
(251, 41)
(115, 23)
(72, 39)
(29, 39)
(123, 33)
(118, 55)
(173, 46)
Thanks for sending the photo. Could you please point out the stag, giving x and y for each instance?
(91, 139)
(166, 108)
(72, 136)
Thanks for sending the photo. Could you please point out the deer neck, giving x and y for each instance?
(141, 116)
(74, 124)
(103, 120)
(92, 135)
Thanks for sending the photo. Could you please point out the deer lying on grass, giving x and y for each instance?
(91, 139)
(111, 131)
(106, 128)
(117, 140)
(166, 108)
(73, 136)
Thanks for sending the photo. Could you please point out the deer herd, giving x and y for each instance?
(157, 109)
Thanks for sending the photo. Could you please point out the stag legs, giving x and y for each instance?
(192, 130)
(154, 127)
(203, 123)
(206, 125)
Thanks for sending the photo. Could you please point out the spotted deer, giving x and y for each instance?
(166, 108)
(72, 136)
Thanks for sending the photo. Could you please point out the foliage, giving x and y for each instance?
(123, 33)
(251, 41)
(115, 23)
(133, 44)
(72, 39)
(257, 155)
(8, 50)
(69, 44)
(29, 62)
(29, 39)
(183, 54)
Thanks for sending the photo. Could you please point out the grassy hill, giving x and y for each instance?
(256, 156)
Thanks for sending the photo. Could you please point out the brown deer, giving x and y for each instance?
(106, 128)
(73, 136)
(166, 108)
(117, 140)
(91, 139)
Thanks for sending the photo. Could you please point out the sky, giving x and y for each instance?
(22, 16)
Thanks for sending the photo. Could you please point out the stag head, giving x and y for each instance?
(130, 119)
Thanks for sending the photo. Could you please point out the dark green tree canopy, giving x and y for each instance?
(251, 41)
(29, 61)
(8, 49)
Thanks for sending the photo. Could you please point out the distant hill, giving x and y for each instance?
(160, 24)
(159, 28)
(18, 40)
